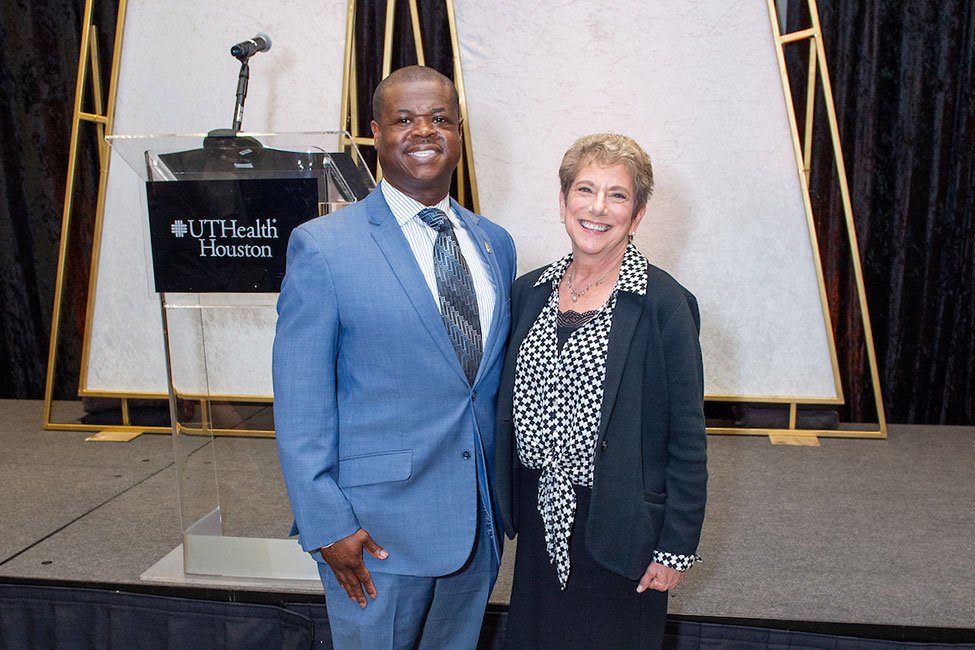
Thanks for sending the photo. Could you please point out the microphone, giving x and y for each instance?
(247, 49)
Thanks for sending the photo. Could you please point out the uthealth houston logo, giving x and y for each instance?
(223, 237)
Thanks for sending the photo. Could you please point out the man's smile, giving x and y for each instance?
(424, 153)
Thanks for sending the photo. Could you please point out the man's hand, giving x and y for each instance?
(345, 559)
(660, 578)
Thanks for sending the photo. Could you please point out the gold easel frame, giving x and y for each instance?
(818, 72)
(349, 118)
(103, 119)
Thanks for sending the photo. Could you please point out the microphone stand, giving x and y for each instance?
(227, 141)
(242, 79)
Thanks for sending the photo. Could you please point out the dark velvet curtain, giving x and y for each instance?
(39, 46)
(369, 34)
(903, 85)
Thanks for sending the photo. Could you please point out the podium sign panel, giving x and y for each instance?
(223, 236)
(218, 215)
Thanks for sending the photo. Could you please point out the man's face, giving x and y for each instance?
(418, 139)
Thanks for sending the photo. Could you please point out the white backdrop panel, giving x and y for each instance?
(698, 85)
(177, 76)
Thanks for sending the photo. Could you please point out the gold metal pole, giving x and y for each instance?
(417, 36)
(461, 190)
(459, 82)
(353, 96)
(96, 93)
(368, 142)
(810, 110)
(797, 433)
(347, 64)
(387, 59)
(126, 420)
(205, 422)
(91, 117)
(93, 275)
(388, 40)
(116, 63)
(350, 87)
(803, 34)
(848, 216)
(102, 197)
(773, 399)
(66, 211)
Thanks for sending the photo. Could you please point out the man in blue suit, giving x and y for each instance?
(385, 388)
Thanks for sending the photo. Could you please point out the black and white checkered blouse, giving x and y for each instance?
(558, 397)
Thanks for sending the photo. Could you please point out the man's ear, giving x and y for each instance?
(376, 131)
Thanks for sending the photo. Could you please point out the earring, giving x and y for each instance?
(631, 237)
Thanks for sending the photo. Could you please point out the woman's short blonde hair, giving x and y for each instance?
(605, 150)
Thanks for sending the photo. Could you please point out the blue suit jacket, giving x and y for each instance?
(376, 425)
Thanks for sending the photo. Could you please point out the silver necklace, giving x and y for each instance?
(571, 276)
(578, 294)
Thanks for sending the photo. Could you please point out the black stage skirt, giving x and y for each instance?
(597, 609)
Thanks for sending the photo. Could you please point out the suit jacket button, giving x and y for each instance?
(474, 397)
(466, 455)
(603, 445)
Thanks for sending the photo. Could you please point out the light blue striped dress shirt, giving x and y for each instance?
(422, 237)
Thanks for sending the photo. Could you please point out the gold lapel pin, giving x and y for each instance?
(487, 247)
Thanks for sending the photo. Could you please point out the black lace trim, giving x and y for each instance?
(573, 319)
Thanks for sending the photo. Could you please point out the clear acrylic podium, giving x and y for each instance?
(217, 215)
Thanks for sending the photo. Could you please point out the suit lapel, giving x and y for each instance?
(494, 342)
(389, 236)
(626, 315)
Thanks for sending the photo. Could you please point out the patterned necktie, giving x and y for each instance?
(458, 302)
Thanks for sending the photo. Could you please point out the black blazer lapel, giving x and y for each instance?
(626, 315)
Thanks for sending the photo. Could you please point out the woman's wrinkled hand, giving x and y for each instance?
(659, 578)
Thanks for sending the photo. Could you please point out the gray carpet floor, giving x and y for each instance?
(853, 531)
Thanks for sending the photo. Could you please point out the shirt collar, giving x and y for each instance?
(633, 272)
(405, 208)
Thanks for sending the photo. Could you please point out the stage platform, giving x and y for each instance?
(873, 537)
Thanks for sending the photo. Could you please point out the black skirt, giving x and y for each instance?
(597, 609)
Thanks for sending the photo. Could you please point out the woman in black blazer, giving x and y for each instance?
(601, 446)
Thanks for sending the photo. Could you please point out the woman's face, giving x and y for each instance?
(598, 211)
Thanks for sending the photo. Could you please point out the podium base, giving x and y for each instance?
(170, 571)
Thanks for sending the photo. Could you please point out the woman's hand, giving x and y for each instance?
(659, 577)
